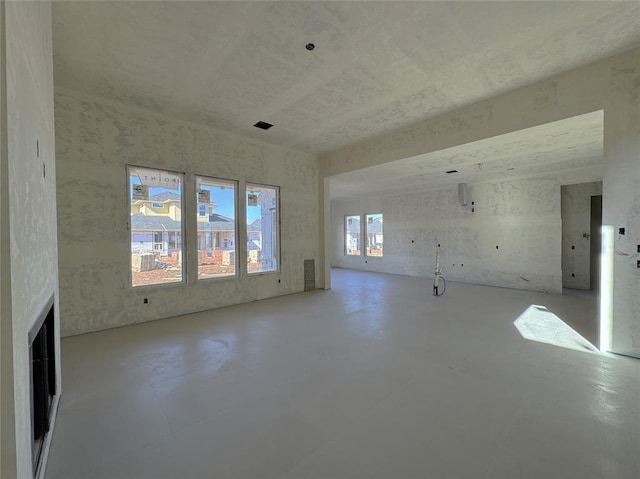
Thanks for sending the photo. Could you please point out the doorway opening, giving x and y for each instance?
(581, 213)
(596, 243)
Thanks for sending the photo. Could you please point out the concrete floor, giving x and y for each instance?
(375, 378)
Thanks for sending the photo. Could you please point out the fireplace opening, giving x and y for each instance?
(43, 379)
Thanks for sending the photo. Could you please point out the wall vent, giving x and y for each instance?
(309, 274)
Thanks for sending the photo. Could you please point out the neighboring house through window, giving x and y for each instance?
(216, 227)
(155, 204)
(263, 228)
(352, 234)
(374, 235)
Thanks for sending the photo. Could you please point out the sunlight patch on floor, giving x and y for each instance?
(537, 323)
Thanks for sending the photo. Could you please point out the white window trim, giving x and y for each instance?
(183, 281)
(236, 195)
(344, 236)
(366, 235)
(279, 236)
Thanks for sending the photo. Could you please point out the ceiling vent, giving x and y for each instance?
(263, 125)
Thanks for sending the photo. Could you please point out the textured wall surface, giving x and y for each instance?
(521, 217)
(32, 201)
(621, 200)
(612, 85)
(576, 220)
(95, 139)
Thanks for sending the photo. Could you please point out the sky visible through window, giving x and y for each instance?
(253, 212)
(222, 198)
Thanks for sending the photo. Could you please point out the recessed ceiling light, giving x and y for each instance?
(263, 125)
(451, 171)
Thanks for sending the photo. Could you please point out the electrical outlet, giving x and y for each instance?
(145, 300)
(639, 248)
(621, 231)
(638, 264)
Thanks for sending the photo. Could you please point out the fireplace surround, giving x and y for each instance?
(44, 382)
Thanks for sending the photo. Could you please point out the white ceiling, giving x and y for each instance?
(570, 150)
(377, 66)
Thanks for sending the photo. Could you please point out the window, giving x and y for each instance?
(374, 235)
(216, 222)
(156, 245)
(352, 235)
(263, 235)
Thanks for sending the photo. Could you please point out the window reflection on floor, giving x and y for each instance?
(537, 323)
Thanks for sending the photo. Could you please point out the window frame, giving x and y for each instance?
(129, 226)
(247, 185)
(344, 236)
(236, 220)
(366, 234)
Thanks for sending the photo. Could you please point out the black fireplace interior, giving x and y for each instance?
(43, 378)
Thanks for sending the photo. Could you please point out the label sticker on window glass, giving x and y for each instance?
(158, 179)
(140, 192)
(204, 196)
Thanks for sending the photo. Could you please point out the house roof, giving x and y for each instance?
(140, 222)
(154, 223)
(375, 227)
(354, 227)
(217, 223)
(164, 196)
(256, 225)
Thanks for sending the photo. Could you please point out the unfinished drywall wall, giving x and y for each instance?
(31, 206)
(95, 139)
(576, 233)
(510, 237)
(612, 85)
